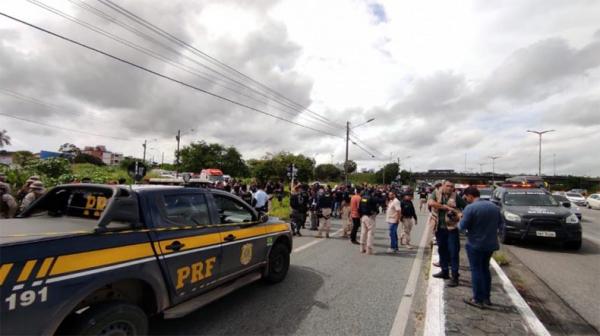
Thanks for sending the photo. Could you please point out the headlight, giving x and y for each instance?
(572, 219)
(511, 217)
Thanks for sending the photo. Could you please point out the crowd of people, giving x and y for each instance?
(11, 204)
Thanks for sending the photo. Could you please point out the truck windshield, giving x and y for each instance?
(529, 199)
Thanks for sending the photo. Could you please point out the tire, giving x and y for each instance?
(111, 318)
(574, 245)
(279, 264)
(505, 239)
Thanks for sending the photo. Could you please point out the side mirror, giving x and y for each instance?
(566, 204)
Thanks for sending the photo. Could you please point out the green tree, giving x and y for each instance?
(201, 155)
(406, 177)
(4, 139)
(351, 166)
(391, 171)
(274, 166)
(327, 172)
(52, 168)
(22, 158)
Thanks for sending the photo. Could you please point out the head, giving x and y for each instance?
(471, 194)
(448, 187)
(34, 178)
(86, 180)
(3, 188)
(122, 180)
(391, 195)
(437, 185)
(36, 187)
(2, 177)
(407, 196)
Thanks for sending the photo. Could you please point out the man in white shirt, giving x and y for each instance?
(392, 217)
(261, 198)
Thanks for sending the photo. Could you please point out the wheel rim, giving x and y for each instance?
(277, 264)
(118, 328)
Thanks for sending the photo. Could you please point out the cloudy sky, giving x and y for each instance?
(444, 80)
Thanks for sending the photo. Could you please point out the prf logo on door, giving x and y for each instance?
(246, 256)
(195, 272)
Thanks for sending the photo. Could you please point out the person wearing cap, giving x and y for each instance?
(408, 218)
(24, 190)
(36, 190)
(8, 204)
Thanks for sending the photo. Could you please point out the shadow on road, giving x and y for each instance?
(252, 310)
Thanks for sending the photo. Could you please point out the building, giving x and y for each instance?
(100, 151)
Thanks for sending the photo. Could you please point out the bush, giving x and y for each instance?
(86, 158)
(281, 209)
(501, 258)
(52, 168)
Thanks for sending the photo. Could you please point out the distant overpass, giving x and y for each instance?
(484, 178)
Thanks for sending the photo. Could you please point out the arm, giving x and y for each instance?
(433, 202)
(467, 220)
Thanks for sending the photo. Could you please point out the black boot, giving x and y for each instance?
(441, 275)
(453, 281)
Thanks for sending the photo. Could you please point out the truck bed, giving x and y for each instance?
(18, 230)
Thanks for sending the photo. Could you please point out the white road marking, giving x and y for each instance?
(435, 318)
(532, 321)
(304, 247)
(592, 239)
(403, 313)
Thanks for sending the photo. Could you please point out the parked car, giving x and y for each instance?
(564, 201)
(89, 259)
(593, 201)
(576, 198)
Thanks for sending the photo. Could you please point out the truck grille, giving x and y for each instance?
(545, 224)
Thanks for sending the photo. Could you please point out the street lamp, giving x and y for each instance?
(493, 169)
(178, 138)
(347, 144)
(145, 144)
(540, 133)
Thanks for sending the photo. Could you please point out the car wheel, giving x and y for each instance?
(279, 263)
(573, 245)
(113, 318)
(505, 239)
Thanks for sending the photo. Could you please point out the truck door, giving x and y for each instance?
(189, 246)
(244, 244)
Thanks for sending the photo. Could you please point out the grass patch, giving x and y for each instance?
(501, 258)
(281, 209)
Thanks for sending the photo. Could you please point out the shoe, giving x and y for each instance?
(318, 236)
(370, 251)
(441, 275)
(391, 250)
(488, 302)
(363, 251)
(473, 303)
(354, 242)
(327, 235)
(299, 234)
(436, 264)
(293, 233)
(453, 282)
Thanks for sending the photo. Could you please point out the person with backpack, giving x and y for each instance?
(299, 202)
(445, 213)
(368, 210)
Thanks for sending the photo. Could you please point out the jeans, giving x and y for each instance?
(393, 235)
(336, 207)
(481, 278)
(355, 226)
(448, 243)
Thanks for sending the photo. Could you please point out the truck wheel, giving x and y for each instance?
(279, 263)
(114, 319)
(573, 245)
(505, 239)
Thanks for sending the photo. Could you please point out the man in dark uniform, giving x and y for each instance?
(299, 203)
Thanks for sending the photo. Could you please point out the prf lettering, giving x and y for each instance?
(195, 272)
(95, 203)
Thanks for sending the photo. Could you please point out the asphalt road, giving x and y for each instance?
(572, 275)
(331, 289)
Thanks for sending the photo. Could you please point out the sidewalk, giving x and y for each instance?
(507, 316)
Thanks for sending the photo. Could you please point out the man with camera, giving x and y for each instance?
(445, 212)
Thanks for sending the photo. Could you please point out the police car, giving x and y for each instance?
(97, 259)
(532, 213)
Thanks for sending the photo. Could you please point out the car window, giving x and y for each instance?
(574, 195)
(232, 210)
(529, 199)
(560, 198)
(186, 210)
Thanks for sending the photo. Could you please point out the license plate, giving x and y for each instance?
(545, 233)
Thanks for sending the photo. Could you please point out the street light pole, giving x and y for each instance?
(540, 133)
(144, 156)
(554, 163)
(347, 144)
(493, 168)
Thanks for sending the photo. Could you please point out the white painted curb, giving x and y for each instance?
(533, 322)
(435, 318)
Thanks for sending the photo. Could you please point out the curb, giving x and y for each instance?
(533, 322)
(435, 318)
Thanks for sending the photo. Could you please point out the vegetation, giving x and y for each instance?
(200, 155)
(86, 158)
(274, 167)
(281, 209)
(501, 258)
(4, 139)
(328, 172)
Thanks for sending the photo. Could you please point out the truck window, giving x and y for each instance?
(186, 210)
(232, 211)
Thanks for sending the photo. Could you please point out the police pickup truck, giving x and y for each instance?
(532, 213)
(96, 259)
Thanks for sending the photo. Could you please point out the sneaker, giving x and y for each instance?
(391, 250)
(354, 242)
(453, 282)
(299, 234)
(441, 275)
(488, 302)
(472, 302)
(436, 264)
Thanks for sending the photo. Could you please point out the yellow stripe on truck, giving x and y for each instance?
(4, 270)
(45, 267)
(190, 242)
(277, 228)
(29, 265)
(84, 260)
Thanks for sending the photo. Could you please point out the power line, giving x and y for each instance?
(363, 149)
(28, 99)
(200, 53)
(151, 53)
(60, 127)
(164, 76)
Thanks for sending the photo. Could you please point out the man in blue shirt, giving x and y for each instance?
(261, 198)
(481, 220)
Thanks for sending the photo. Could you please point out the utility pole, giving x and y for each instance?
(144, 145)
(162, 161)
(540, 133)
(346, 161)
(178, 138)
(554, 163)
(481, 168)
(493, 168)
(465, 162)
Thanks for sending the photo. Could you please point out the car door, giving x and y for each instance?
(188, 243)
(244, 244)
